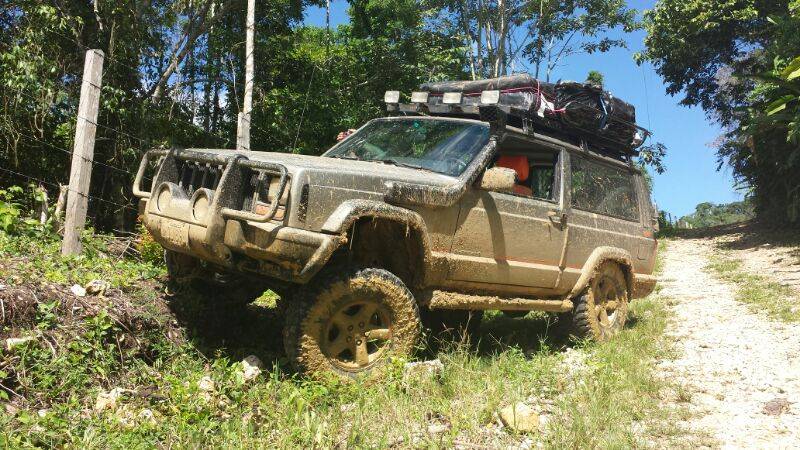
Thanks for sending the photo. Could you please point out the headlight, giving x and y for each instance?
(490, 97)
(391, 97)
(419, 97)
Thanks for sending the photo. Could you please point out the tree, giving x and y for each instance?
(174, 77)
(185, 49)
(711, 215)
(695, 46)
(499, 35)
(736, 59)
(341, 75)
(596, 78)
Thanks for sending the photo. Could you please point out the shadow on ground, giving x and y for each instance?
(234, 332)
(256, 329)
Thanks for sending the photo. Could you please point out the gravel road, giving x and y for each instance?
(742, 370)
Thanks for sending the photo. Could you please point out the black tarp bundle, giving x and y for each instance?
(574, 108)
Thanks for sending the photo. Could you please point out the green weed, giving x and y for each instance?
(595, 395)
(760, 293)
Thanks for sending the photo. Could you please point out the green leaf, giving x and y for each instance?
(792, 71)
(779, 104)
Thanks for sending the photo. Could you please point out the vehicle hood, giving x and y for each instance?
(327, 183)
(345, 173)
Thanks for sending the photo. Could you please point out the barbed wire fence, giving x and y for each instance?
(92, 198)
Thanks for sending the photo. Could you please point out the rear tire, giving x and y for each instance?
(348, 323)
(601, 311)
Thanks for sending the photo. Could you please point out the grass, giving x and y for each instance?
(595, 395)
(760, 293)
(658, 269)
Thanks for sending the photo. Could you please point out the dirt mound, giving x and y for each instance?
(23, 307)
(48, 323)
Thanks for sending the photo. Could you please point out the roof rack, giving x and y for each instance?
(521, 103)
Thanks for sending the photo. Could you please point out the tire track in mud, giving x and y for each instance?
(742, 370)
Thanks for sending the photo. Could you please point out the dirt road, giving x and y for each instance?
(740, 369)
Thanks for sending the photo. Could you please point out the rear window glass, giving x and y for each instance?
(603, 189)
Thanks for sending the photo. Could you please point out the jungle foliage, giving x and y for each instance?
(173, 73)
(711, 215)
(740, 61)
(173, 76)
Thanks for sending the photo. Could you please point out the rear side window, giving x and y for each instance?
(603, 189)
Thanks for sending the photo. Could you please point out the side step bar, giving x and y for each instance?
(455, 300)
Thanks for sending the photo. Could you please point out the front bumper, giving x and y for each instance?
(270, 249)
(220, 232)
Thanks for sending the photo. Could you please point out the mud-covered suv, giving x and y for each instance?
(439, 216)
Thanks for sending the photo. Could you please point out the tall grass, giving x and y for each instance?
(592, 395)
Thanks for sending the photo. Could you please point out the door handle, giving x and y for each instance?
(557, 218)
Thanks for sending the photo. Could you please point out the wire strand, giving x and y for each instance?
(305, 104)
(646, 97)
(143, 142)
(39, 180)
(72, 154)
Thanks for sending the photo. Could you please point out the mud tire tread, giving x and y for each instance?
(581, 320)
(306, 298)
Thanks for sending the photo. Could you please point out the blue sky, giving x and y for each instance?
(692, 175)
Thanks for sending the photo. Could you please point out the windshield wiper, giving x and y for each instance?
(352, 158)
(394, 162)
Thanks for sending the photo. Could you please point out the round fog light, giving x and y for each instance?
(200, 207)
(163, 198)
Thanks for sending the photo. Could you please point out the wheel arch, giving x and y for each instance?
(596, 259)
(388, 221)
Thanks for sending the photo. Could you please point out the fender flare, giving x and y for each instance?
(598, 257)
(351, 211)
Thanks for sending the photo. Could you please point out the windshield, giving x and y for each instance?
(443, 146)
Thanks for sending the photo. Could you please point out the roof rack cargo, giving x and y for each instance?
(569, 109)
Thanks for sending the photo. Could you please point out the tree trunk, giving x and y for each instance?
(193, 31)
(243, 134)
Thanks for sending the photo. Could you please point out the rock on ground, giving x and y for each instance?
(12, 343)
(251, 367)
(108, 401)
(520, 417)
(742, 370)
(423, 369)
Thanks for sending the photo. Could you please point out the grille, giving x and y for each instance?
(256, 190)
(195, 175)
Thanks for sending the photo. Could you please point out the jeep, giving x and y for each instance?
(440, 215)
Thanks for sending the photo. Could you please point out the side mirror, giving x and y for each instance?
(499, 179)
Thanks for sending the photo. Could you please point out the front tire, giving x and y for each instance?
(188, 276)
(601, 312)
(349, 322)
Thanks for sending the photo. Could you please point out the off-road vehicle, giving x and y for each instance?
(472, 197)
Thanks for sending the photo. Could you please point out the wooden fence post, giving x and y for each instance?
(83, 153)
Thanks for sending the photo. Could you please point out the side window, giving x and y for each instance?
(543, 181)
(536, 174)
(603, 189)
